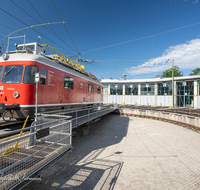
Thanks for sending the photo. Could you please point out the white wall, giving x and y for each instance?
(147, 100)
(131, 100)
(198, 101)
(165, 100)
(116, 99)
(105, 95)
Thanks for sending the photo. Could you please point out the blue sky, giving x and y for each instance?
(119, 36)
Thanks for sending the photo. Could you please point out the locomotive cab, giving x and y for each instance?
(17, 79)
(33, 48)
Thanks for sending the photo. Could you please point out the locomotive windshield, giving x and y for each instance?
(12, 74)
(29, 74)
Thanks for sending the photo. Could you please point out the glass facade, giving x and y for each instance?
(105, 89)
(198, 87)
(147, 89)
(185, 88)
(185, 93)
(116, 89)
(131, 89)
(165, 89)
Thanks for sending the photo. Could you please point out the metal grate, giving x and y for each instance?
(47, 139)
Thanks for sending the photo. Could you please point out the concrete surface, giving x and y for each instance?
(128, 153)
(188, 119)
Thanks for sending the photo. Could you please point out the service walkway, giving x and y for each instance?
(128, 153)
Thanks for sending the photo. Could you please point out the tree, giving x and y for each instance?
(168, 73)
(195, 71)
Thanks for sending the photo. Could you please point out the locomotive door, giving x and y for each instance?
(90, 96)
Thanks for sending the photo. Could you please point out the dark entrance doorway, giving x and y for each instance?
(185, 94)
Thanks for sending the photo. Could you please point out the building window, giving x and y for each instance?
(185, 88)
(68, 82)
(12, 74)
(198, 87)
(165, 89)
(147, 89)
(105, 89)
(131, 89)
(29, 74)
(116, 89)
(98, 89)
(43, 75)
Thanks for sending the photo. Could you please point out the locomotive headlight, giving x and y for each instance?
(16, 94)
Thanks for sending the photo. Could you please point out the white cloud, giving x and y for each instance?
(186, 56)
(196, 1)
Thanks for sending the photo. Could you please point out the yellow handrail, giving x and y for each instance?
(11, 150)
(64, 57)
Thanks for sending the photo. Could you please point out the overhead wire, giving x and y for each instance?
(40, 23)
(64, 25)
(15, 30)
(32, 28)
(103, 69)
(98, 73)
(54, 33)
(135, 68)
(93, 71)
(143, 37)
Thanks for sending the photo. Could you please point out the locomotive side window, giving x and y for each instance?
(98, 89)
(68, 82)
(29, 74)
(1, 70)
(12, 74)
(43, 76)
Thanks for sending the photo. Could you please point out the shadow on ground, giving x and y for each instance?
(86, 167)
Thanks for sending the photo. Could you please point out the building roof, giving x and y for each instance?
(155, 80)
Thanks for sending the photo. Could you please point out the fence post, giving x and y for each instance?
(70, 133)
(33, 137)
(76, 118)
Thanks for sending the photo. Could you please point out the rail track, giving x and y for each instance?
(182, 113)
(7, 126)
(178, 110)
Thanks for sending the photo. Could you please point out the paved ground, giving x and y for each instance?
(129, 153)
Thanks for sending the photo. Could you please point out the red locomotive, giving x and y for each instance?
(62, 83)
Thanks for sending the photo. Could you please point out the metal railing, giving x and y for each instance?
(49, 138)
(85, 114)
